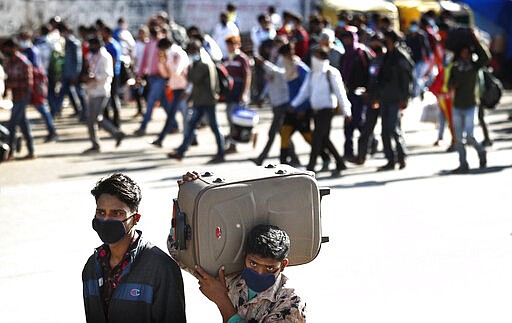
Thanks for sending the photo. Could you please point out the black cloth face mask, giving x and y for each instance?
(110, 231)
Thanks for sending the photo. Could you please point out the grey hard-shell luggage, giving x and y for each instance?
(213, 214)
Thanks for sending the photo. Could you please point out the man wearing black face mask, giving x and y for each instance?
(127, 279)
(257, 294)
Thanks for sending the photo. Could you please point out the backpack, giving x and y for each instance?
(492, 90)
(56, 64)
(39, 87)
(226, 82)
(408, 65)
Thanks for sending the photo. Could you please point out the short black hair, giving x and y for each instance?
(285, 49)
(194, 32)
(268, 241)
(120, 186)
(262, 17)
(391, 34)
(194, 45)
(107, 30)
(231, 6)
(164, 43)
(322, 51)
(95, 41)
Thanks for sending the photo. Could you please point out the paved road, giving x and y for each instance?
(416, 245)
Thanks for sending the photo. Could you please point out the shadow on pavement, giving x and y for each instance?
(492, 169)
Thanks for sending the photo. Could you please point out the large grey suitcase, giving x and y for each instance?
(213, 215)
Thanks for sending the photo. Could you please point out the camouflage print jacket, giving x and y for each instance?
(277, 304)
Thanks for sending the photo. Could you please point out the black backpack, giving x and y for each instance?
(492, 90)
(226, 82)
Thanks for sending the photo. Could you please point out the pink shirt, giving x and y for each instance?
(177, 63)
(149, 64)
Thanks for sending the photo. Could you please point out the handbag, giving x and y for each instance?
(430, 112)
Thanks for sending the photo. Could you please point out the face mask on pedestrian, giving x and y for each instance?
(194, 57)
(414, 28)
(256, 281)
(25, 44)
(110, 231)
(317, 64)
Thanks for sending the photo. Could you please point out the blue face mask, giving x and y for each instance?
(258, 282)
(194, 57)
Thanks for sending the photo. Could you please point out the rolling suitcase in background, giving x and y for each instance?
(213, 215)
(243, 122)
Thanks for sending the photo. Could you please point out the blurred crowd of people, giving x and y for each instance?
(308, 71)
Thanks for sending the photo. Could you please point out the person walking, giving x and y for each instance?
(417, 41)
(149, 69)
(354, 68)
(298, 119)
(277, 92)
(326, 92)
(98, 82)
(464, 81)
(372, 101)
(40, 82)
(238, 66)
(139, 89)
(115, 49)
(202, 75)
(20, 81)
(71, 72)
(395, 85)
(174, 64)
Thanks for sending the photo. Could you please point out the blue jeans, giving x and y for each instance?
(197, 114)
(442, 124)
(156, 93)
(357, 122)
(177, 103)
(390, 118)
(47, 116)
(52, 97)
(419, 82)
(463, 123)
(19, 118)
(66, 89)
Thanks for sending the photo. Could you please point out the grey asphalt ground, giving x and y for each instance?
(415, 245)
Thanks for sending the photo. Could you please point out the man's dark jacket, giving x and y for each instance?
(150, 289)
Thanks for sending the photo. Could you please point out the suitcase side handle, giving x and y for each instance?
(181, 230)
(324, 191)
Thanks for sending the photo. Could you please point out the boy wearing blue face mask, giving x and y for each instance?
(257, 293)
(127, 279)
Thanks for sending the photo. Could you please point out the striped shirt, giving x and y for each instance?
(19, 77)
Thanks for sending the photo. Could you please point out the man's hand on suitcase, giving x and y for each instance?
(214, 288)
(188, 177)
